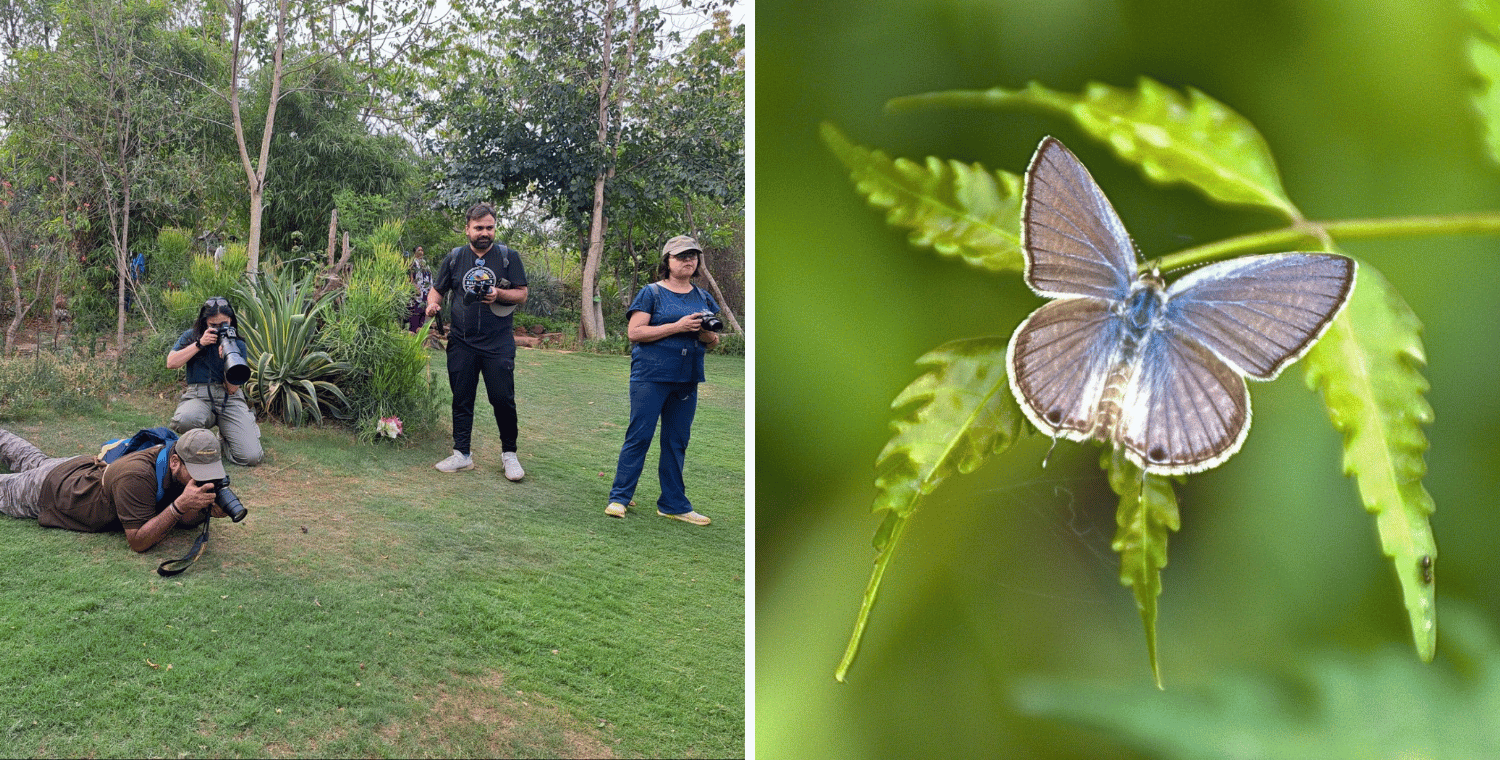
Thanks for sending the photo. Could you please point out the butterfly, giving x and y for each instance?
(1158, 370)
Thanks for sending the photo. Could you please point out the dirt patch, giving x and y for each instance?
(510, 720)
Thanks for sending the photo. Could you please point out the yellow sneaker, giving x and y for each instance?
(687, 517)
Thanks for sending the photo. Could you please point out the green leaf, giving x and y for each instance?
(1174, 138)
(1368, 367)
(1484, 54)
(953, 208)
(1148, 509)
(1336, 705)
(961, 412)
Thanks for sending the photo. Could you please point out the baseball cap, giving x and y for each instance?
(680, 244)
(199, 450)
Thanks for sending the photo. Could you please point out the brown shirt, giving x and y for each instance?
(86, 495)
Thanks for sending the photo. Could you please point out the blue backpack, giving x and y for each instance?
(144, 439)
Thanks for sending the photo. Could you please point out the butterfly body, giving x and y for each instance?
(1156, 369)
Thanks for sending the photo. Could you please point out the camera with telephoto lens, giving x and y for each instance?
(236, 369)
(711, 322)
(226, 499)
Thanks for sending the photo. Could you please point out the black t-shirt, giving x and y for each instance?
(471, 322)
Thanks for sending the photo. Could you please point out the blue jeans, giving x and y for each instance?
(675, 404)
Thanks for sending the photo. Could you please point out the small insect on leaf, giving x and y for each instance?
(1425, 565)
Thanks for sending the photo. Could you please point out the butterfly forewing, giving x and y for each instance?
(1183, 410)
(1074, 242)
(1060, 360)
(1260, 313)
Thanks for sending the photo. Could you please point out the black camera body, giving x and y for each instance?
(236, 369)
(711, 322)
(226, 499)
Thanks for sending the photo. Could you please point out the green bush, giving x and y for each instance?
(42, 385)
(144, 361)
(388, 375)
(290, 379)
(205, 280)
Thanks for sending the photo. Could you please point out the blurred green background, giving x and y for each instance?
(1005, 585)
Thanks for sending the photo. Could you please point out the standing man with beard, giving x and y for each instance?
(488, 282)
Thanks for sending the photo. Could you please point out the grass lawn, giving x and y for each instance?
(373, 606)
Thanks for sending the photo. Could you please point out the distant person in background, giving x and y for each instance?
(210, 398)
(137, 276)
(421, 279)
(666, 365)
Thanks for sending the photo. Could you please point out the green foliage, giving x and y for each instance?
(1194, 139)
(1368, 367)
(1368, 364)
(46, 386)
(290, 379)
(1484, 54)
(386, 365)
(144, 361)
(954, 208)
(960, 412)
(206, 279)
(1375, 703)
(1148, 509)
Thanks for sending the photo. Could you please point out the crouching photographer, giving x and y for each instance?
(214, 356)
(145, 493)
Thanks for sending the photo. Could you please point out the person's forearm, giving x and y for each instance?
(154, 530)
(512, 295)
(179, 358)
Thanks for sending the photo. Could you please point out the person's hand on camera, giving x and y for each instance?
(691, 323)
(195, 498)
(209, 338)
(492, 296)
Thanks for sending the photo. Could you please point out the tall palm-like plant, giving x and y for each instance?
(279, 320)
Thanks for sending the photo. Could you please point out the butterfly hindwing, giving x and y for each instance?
(1261, 313)
(1059, 360)
(1074, 242)
(1184, 410)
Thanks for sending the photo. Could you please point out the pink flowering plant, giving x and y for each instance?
(390, 427)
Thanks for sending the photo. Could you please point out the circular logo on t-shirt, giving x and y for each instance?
(474, 276)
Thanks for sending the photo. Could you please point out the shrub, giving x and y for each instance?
(144, 361)
(289, 379)
(388, 375)
(44, 385)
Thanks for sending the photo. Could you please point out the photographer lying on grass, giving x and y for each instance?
(84, 494)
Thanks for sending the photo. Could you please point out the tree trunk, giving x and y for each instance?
(713, 287)
(255, 173)
(591, 319)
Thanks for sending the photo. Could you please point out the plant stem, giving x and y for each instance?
(882, 561)
(1348, 229)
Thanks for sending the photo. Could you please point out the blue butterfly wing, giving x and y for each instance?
(1060, 360)
(1183, 410)
(1074, 242)
(1261, 313)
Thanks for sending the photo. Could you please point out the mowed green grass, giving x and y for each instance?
(372, 606)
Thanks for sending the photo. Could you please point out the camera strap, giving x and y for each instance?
(187, 560)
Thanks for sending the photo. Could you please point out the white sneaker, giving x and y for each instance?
(513, 469)
(456, 462)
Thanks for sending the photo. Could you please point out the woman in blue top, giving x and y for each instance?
(666, 365)
(210, 398)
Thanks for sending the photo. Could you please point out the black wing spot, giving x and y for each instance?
(1157, 454)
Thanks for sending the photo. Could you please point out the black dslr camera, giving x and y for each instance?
(711, 322)
(226, 499)
(236, 369)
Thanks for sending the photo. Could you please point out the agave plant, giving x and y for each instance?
(279, 321)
